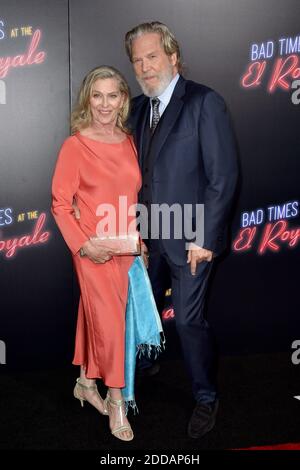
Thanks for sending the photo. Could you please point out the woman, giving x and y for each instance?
(96, 165)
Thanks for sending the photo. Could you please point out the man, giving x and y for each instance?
(187, 156)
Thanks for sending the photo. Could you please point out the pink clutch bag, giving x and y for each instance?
(128, 244)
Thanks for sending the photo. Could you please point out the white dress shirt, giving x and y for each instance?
(165, 97)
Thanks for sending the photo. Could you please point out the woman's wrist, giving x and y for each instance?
(82, 250)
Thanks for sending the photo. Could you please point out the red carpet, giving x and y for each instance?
(292, 446)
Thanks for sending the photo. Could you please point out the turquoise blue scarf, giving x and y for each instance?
(143, 326)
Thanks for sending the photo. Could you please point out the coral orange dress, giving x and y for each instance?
(97, 173)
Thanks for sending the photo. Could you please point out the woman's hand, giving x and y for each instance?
(76, 210)
(96, 253)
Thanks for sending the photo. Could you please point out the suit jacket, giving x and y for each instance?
(192, 160)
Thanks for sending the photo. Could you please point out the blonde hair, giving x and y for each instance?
(81, 116)
(168, 40)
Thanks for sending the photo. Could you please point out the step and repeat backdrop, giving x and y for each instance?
(36, 308)
(249, 51)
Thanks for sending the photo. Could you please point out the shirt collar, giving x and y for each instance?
(167, 93)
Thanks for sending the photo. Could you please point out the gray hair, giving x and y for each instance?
(168, 40)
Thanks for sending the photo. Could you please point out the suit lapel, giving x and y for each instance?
(164, 128)
(168, 118)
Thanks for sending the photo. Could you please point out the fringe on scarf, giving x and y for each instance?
(150, 350)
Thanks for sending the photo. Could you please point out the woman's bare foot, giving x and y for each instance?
(86, 390)
(118, 422)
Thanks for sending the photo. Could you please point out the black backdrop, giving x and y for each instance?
(254, 301)
(37, 313)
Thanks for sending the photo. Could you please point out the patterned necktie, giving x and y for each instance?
(155, 113)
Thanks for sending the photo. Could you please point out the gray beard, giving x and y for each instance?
(164, 82)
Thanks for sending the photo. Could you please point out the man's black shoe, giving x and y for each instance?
(203, 419)
(148, 371)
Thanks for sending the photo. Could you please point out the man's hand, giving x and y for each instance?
(196, 255)
(76, 210)
(145, 254)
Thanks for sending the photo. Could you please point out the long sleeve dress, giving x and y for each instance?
(97, 173)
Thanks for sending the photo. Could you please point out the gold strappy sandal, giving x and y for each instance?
(80, 386)
(109, 402)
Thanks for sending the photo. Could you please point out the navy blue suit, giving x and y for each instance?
(190, 159)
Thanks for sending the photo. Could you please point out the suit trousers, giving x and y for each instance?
(188, 297)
